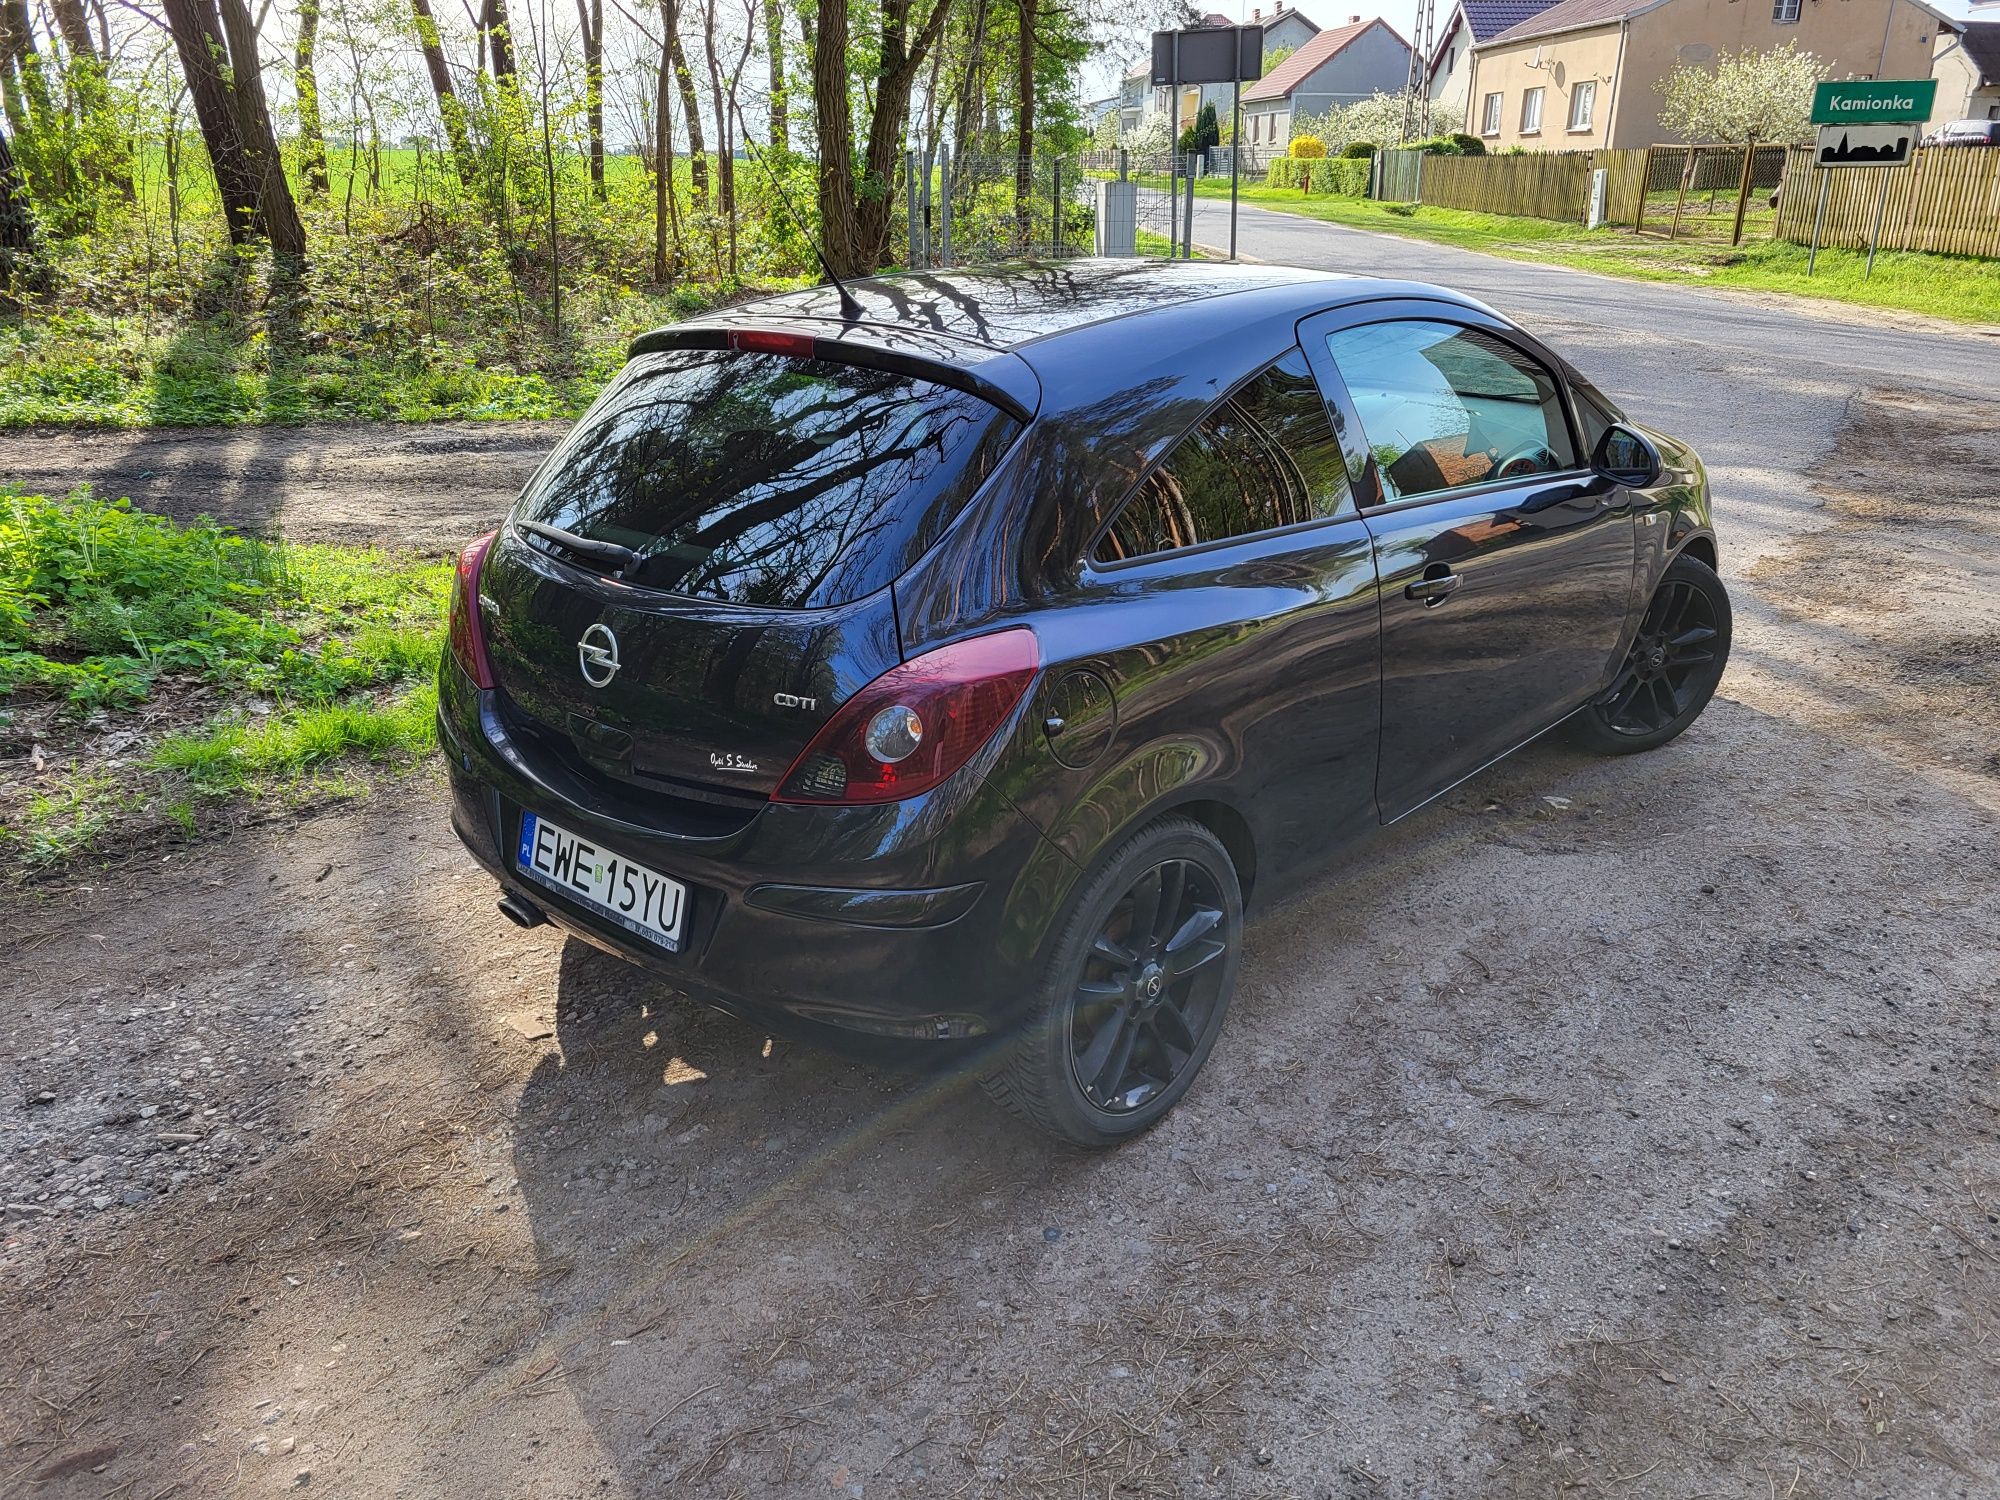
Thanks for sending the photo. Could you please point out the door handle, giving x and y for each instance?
(1437, 585)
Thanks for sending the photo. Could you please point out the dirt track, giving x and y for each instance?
(1615, 1128)
(428, 487)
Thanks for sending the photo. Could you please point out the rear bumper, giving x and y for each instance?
(900, 920)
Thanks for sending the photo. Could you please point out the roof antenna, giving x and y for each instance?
(850, 309)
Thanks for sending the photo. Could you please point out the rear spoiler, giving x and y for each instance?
(996, 376)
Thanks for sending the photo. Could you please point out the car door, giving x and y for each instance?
(1228, 607)
(1504, 562)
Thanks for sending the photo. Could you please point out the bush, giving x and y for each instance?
(1306, 148)
(1359, 150)
(1334, 177)
(1437, 145)
(98, 599)
(1468, 145)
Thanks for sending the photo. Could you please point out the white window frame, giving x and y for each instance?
(1582, 106)
(1494, 108)
(1531, 111)
(1785, 12)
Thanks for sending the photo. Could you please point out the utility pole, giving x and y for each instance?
(1419, 81)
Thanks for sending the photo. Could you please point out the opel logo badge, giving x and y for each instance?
(597, 655)
(1152, 986)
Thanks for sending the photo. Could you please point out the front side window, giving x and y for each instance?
(1785, 12)
(1446, 406)
(1531, 111)
(1264, 458)
(1490, 123)
(1582, 104)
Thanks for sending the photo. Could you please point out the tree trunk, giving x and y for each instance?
(663, 151)
(253, 128)
(218, 53)
(837, 229)
(774, 41)
(1024, 118)
(697, 145)
(497, 36)
(451, 111)
(312, 139)
(590, 16)
(74, 27)
(17, 228)
(857, 224)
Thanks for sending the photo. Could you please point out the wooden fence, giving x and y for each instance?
(1540, 185)
(1945, 200)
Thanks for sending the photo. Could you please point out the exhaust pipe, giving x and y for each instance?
(520, 911)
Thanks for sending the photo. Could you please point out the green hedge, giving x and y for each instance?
(1329, 175)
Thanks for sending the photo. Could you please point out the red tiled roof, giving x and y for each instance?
(1294, 70)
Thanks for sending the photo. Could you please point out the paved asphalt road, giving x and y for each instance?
(1759, 386)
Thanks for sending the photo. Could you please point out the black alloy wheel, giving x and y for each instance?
(1150, 982)
(1673, 667)
(1134, 991)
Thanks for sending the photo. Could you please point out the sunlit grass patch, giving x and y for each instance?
(232, 754)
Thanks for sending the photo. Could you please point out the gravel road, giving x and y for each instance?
(1612, 1128)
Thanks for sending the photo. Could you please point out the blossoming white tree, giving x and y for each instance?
(1760, 98)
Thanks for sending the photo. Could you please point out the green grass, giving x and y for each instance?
(280, 668)
(1960, 288)
(234, 755)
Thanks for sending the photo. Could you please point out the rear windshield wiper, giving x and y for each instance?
(613, 556)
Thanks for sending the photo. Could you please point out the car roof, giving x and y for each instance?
(1014, 306)
(1044, 337)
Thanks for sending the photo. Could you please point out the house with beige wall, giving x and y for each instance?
(1967, 68)
(1585, 74)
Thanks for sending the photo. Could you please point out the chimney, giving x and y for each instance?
(1354, 20)
(1256, 14)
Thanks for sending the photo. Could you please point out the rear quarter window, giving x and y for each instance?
(767, 480)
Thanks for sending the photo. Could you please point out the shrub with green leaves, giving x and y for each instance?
(98, 601)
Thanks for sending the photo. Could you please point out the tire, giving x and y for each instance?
(1672, 670)
(1067, 1071)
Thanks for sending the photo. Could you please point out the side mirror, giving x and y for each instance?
(1627, 457)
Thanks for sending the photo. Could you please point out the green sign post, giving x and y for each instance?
(1865, 101)
(1873, 101)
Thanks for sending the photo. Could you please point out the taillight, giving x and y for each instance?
(468, 636)
(915, 724)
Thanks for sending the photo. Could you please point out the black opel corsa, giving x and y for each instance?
(958, 669)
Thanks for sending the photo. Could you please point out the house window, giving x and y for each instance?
(1489, 123)
(1582, 104)
(1531, 112)
(1784, 12)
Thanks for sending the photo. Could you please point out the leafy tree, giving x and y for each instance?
(1379, 118)
(1275, 56)
(1747, 96)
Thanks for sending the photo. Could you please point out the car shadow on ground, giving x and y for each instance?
(770, 1269)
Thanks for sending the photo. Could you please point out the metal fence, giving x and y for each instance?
(984, 207)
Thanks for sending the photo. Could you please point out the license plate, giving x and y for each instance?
(636, 898)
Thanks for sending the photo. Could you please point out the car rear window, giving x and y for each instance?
(765, 479)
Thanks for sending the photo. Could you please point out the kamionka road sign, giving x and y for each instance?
(1874, 101)
(1864, 145)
